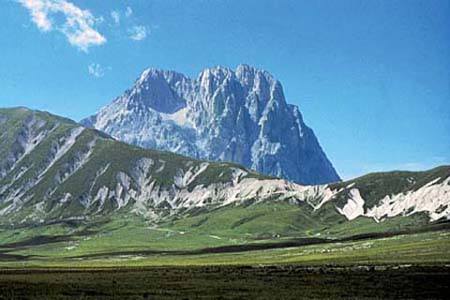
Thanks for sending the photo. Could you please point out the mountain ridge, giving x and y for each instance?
(222, 115)
(51, 168)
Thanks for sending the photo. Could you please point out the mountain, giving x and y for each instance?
(239, 116)
(52, 170)
(74, 196)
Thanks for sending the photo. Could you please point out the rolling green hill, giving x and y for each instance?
(72, 193)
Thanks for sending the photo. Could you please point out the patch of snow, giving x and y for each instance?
(179, 117)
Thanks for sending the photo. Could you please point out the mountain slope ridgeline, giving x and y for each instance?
(51, 169)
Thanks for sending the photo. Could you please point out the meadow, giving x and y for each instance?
(207, 256)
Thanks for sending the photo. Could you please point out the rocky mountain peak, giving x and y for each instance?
(227, 115)
(249, 76)
(154, 89)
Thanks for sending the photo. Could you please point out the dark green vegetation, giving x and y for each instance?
(228, 282)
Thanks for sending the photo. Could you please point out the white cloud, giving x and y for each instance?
(115, 15)
(96, 70)
(128, 11)
(99, 20)
(138, 33)
(78, 24)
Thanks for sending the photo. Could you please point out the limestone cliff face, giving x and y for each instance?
(224, 115)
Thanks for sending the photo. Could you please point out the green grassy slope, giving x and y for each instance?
(92, 162)
(430, 248)
(376, 186)
(234, 225)
(53, 235)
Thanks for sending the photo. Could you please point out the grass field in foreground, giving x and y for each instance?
(428, 248)
(227, 282)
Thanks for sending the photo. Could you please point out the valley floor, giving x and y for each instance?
(422, 248)
(415, 265)
(263, 251)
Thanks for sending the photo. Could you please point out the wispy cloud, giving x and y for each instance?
(138, 33)
(77, 25)
(128, 12)
(115, 15)
(124, 21)
(96, 70)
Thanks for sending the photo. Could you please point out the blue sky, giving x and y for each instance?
(372, 78)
